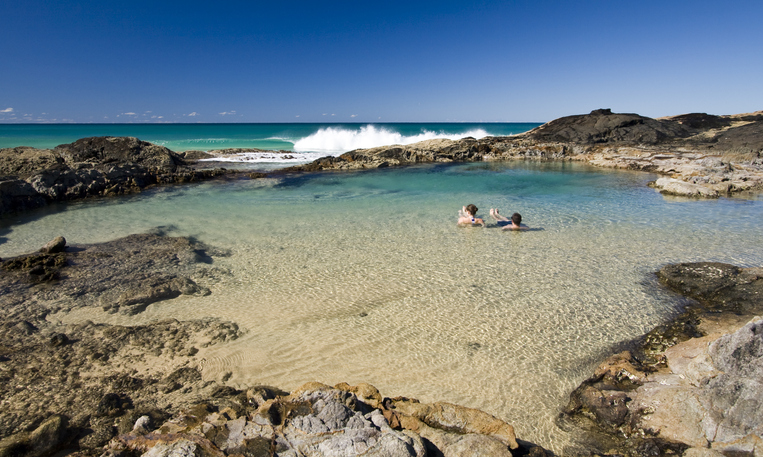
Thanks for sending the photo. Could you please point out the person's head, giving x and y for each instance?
(516, 218)
(471, 209)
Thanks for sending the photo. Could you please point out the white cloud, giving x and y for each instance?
(6, 110)
(225, 113)
(353, 115)
(129, 114)
(192, 114)
(297, 115)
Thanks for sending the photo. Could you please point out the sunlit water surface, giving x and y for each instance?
(364, 277)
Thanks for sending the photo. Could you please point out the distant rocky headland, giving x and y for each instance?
(690, 387)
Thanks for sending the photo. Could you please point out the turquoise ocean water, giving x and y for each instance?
(364, 276)
(329, 138)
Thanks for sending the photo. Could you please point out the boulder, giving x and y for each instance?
(118, 150)
(455, 418)
(47, 438)
(57, 244)
(672, 186)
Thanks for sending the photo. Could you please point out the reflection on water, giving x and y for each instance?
(365, 276)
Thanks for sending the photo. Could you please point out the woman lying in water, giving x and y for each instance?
(468, 216)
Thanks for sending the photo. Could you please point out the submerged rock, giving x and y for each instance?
(124, 275)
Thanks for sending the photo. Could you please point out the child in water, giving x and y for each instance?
(468, 216)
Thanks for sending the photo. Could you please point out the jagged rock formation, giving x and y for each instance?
(319, 420)
(30, 178)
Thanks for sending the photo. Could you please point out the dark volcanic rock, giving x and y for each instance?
(88, 167)
(119, 150)
(702, 121)
(744, 139)
(603, 126)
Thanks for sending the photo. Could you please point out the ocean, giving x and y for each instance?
(365, 277)
(302, 138)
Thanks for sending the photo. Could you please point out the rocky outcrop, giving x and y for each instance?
(17, 195)
(88, 167)
(124, 275)
(604, 126)
(699, 155)
(319, 420)
(76, 386)
(694, 383)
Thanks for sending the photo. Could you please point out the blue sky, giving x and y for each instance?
(413, 61)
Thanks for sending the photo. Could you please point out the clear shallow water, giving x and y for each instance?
(365, 277)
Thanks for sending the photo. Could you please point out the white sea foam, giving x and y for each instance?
(267, 157)
(335, 140)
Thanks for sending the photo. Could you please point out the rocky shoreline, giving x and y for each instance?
(698, 155)
(98, 389)
(690, 387)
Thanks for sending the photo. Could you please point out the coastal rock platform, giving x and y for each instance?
(690, 387)
(699, 155)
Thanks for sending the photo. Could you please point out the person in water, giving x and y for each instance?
(468, 216)
(515, 223)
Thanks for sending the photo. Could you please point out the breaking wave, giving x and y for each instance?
(335, 140)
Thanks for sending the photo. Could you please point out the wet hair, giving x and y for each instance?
(516, 218)
(471, 209)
